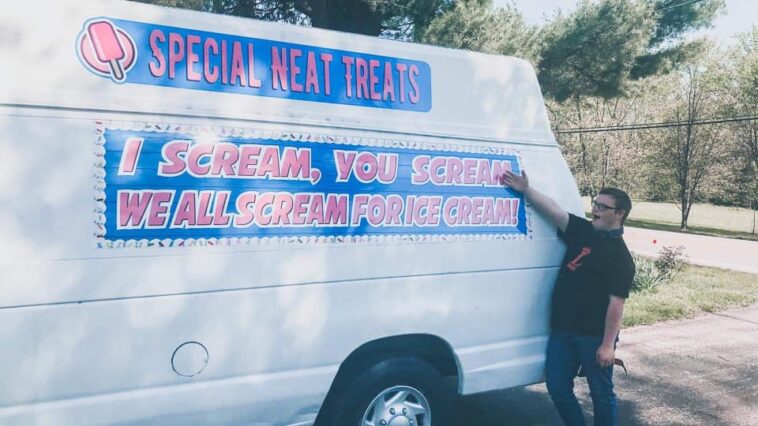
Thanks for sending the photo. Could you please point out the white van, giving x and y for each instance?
(208, 219)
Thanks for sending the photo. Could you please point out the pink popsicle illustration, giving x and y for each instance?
(107, 46)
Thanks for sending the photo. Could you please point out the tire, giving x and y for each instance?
(384, 389)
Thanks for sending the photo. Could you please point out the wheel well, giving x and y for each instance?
(429, 348)
(432, 349)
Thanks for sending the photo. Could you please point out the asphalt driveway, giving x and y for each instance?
(702, 371)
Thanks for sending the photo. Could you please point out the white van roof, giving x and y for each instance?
(464, 94)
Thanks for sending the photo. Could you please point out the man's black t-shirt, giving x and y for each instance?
(595, 266)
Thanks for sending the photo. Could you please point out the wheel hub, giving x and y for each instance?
(398, 406)
(395, 415)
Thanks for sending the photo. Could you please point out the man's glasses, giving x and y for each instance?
(602, 207)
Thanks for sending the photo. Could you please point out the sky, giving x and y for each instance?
(739, 17)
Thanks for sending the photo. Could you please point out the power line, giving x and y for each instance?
(642, 126)
(677, 5)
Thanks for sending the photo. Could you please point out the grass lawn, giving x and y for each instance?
(705, 219)
(693, 291)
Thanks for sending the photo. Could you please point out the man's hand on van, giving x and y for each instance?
(518, 183)
(540, 201)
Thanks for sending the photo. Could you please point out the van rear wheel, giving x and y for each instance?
(393, 392)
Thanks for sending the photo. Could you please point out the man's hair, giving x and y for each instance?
(623, 202)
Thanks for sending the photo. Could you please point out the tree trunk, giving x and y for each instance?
(585, 162)
(685, 212)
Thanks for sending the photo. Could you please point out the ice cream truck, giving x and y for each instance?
(214, 220)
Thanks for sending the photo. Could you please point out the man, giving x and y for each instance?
(588, 299)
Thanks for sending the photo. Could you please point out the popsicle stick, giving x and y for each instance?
(118, 72)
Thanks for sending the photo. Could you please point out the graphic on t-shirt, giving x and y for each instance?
(574, 264)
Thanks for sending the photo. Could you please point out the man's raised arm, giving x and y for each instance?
(544, 204)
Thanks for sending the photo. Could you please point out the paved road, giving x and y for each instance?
(702, 371)
(727, 253)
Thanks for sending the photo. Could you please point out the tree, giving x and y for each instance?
(690, 152)
(592, 66)
(475, 25)
(600, 159)
(592, 52)
(745, 95)
(738, 184)
(399, 19)
(603, 45)
(673, 19)
(182, 4)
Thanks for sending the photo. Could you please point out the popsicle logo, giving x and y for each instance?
(124, 51)
(106, 49)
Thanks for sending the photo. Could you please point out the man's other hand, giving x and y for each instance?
(516, 182)
(604, 356)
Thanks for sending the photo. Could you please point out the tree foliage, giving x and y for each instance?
(686, 163)
(673, 19)
(394, 19)
(604, 44)
(595, 51)
(475, 25)
(602, 159)
(738, 179)
(592, 51)
(690, 152)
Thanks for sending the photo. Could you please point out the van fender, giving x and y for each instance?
(428, 348)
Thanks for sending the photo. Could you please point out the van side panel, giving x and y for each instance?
(99, 333)
(272, 319)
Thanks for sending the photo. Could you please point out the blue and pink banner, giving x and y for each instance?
(169, 185)
(142, 53)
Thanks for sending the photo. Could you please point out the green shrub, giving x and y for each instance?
(647, 276)
(653, 272)
(671, 260)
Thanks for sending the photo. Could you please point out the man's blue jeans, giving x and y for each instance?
(565, 353)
